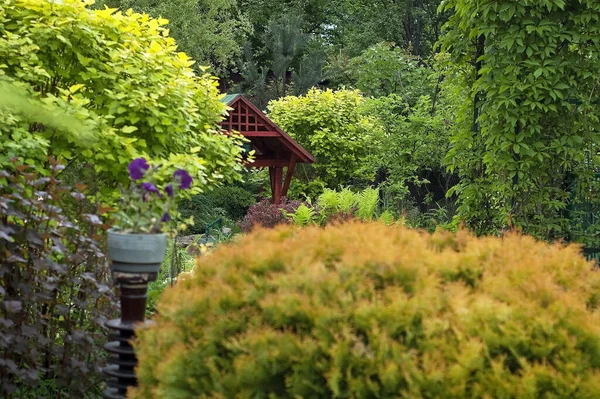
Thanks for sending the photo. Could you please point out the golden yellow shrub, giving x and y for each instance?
(371, 311)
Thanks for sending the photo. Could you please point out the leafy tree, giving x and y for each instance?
(532, 70)
(333, 126)
(415, 144)
(285, 39)
(384, 69)
(411, 24)
(212, 32)
(119, 74)
(339, 29)
(354, 25)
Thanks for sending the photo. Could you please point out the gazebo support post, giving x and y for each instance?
(288, 175)
(277, 180)
(272, 180)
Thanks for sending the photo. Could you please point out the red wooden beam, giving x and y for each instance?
(288, 175)
(304, 155)
(272, 179)
(269, 133)
(277, 183)
(261, 163)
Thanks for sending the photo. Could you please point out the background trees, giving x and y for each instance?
(211, 32)
(508, 102)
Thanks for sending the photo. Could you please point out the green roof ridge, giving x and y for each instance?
(229, 98)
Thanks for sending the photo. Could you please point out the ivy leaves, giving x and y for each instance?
(532, 71)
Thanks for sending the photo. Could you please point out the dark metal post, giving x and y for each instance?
(122, 359)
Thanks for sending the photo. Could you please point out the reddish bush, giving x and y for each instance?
(266, 214)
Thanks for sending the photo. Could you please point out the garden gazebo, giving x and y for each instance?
(274, 149)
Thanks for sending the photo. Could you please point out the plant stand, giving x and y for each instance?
(122, 359)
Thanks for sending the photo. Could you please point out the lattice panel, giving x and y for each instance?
(244, 119)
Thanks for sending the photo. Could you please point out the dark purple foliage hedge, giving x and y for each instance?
(54, 292)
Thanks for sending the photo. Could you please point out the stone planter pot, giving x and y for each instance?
(136, 253)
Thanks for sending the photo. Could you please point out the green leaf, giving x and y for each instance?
(129, 129)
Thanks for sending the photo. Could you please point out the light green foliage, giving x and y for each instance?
(384, 69)
(387, 217)
(19, 100)
(346, 201)
(122, 75)
(363, 310)
(331, 201)
(533, 70)
(23, 112)
(368, 202)
(337, 206)
(303, 215)
(212, 32)
(333, 126)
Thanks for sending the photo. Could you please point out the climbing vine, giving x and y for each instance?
(532, 69)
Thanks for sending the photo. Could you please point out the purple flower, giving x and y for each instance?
(165, 217)
(184, 179)
(169, 190)
(137, 168)
(150, 188)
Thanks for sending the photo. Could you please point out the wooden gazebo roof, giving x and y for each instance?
(273, 147)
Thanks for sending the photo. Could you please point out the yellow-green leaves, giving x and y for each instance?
(212, 32)
(333, 126)
(369, 311)
(123, 76)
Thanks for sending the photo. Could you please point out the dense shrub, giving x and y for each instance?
(370, 311)
(529, 123)
(235, 201)
(121, 75)
(54, 293)
(336, 128)
(266, 214)
(231, 203)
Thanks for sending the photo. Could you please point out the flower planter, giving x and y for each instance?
(136, 253)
